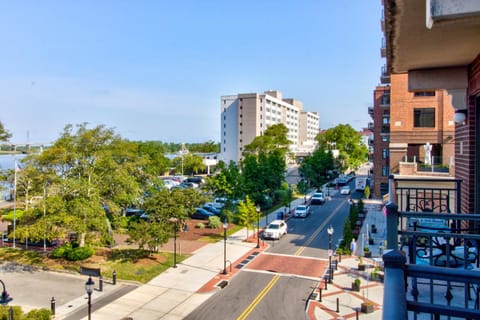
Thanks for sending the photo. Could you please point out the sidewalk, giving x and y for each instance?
(178, 291)
(349, 302)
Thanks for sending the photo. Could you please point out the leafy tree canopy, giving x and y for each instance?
(4, 134)
(348, 142)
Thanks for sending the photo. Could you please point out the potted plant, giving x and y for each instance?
(367, 307)
(356, 285)
(366, 252)
(361, 266)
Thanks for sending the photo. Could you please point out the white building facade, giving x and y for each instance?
(246, 116)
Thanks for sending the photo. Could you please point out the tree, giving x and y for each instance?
(348, 142)
(263, 167)
(4, 134)
(247, 213)
(228, 183)
(188, 164)
(87, 168)
(317, 167)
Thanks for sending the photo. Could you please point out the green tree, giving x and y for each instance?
(228, 183)
(348, 142)
(4, 134)
(87, 168)
(189, 164)
(263, 167)
(317, 167)
(153, 151)
(247, 213)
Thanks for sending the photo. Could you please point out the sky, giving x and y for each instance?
(155, 70)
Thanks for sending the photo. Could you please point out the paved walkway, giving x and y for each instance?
(178, 291)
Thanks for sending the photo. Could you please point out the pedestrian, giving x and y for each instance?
(353, 247)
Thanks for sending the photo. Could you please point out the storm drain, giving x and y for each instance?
(244, 262)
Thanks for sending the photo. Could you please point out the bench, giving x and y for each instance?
(90, 271)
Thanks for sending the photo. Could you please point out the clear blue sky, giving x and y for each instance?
(155, 70)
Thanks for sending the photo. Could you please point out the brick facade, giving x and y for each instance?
(465, 143)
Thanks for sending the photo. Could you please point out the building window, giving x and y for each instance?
(224, 101)
(385, 171)
(385, 138)
(241, 124)
(385, 153)
(224, 117)
(241, 132)
(241, 107)
(424, 94)
(424, 118)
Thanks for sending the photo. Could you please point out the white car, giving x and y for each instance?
(275, 230)
(301, 211)
(345, 190)
(318, 198)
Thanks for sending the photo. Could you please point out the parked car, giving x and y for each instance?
(275, 230)
(210, 207)
(345, 190)
(202, 214)
(301, 211)
(318, 198)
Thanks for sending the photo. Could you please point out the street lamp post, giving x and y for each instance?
(330, 271)
(258, 226)
(225, 226)
(89, 289)
(4, 297)
(174, 221)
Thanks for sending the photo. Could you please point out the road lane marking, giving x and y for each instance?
(259, 298)
(319, 229)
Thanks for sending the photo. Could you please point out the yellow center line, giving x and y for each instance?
(315, 234)
(259, 298)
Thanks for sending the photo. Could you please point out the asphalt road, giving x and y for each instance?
(32, 288)
(278, 286)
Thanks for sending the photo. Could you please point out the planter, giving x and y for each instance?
(361, 267)
(367, 307)
(355, 287)
(367, 254)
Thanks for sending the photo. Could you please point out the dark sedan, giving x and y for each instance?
(202, 214)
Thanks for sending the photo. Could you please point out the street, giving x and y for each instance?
(278, 282)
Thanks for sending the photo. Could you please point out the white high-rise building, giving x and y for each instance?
(245, 116)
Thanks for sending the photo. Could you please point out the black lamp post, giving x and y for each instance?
(225, 226)
(174, 221)
(89, 289)
(330, 271)
(258, 226)
(5, 297)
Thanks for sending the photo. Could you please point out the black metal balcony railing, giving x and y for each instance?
(441, 248)
(370, 126)
(385, 76)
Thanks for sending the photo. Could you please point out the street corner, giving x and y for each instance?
(221, 280)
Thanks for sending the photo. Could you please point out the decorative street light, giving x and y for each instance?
(225, 226)
(89, 289)
(5, 297)
(330, 253)
(174, 221)
(258, 226)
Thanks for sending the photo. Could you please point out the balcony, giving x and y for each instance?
(385, 76)
(383, 48)
(370, 111)
(433, 250)
(370, 126)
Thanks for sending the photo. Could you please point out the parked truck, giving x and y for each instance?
(361, 183)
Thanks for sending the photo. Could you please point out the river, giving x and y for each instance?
(7, 161)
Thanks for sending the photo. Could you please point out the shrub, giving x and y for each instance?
(72, 253)
(214, 222)
(61, 252)
(199, 225)
(357, 282)
(366, 249)
(80, 253)
(38, 314)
